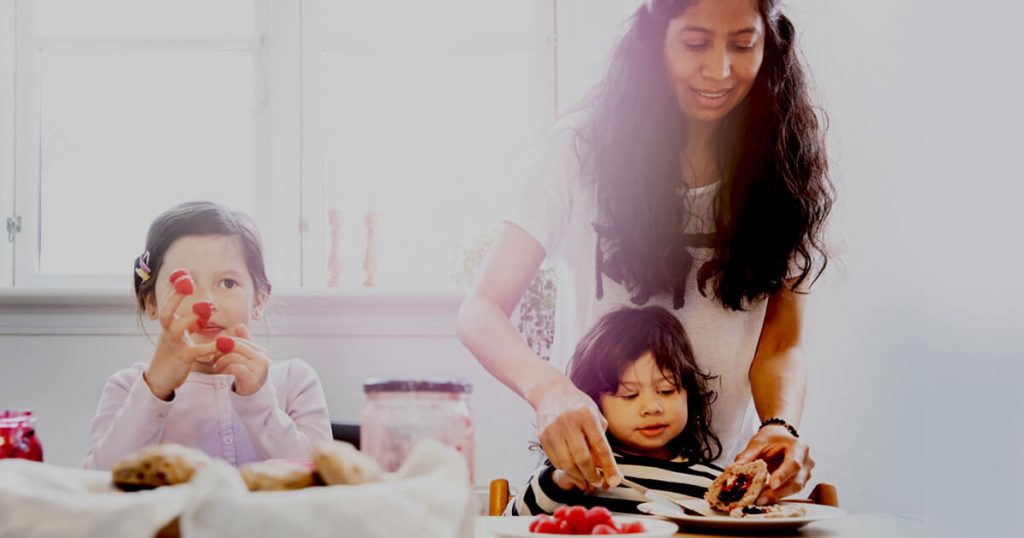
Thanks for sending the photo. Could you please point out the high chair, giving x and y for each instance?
(823, 493)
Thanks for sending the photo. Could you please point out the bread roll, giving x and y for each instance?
(276, 476)
(338, 462)
(158, 465)
(738, 486)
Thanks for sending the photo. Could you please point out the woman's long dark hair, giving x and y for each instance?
(776, 192)
(623, 336)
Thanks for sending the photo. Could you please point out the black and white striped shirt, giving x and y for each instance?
(677, 478)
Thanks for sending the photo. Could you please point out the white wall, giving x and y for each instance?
(916, 345)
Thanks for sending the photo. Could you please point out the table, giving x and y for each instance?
(852, 526)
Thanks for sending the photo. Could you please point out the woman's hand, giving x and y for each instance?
(247, 361)
(568, 483)
(789, 461)
(572, 434)
(175, 352)
(778, 381)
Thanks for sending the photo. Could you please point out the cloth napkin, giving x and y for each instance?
(430, 496)
(39, 500)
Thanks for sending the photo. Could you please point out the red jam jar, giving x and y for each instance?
(18, 436)
(401, 412)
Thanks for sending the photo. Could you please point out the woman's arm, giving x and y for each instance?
(484, 326)
(778, 381)
(778, 378)
(571, 427)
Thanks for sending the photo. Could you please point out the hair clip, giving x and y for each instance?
(142, 266)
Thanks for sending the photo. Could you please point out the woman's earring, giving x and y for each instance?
(257, 313)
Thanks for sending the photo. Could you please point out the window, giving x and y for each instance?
(420, 110)
(369, 139)
(119, 117)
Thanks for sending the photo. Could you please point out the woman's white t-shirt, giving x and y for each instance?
(558, 207)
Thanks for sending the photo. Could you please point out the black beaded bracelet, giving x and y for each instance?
(778, 421)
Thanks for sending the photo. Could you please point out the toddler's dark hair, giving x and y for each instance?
(623, 336)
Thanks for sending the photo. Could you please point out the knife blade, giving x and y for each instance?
(659, 499)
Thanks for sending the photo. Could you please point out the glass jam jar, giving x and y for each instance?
(18, 436)
(401, 412)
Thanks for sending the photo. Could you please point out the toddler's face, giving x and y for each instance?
(217, 265)
(647, 411)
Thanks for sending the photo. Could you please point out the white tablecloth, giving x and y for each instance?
(429, 496)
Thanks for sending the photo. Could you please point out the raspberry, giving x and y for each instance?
(548, 525)
(185, 286)
(225, 344)
(203, 309)
(577, 518)
(177, 274)
(598, 515)
(633, 527)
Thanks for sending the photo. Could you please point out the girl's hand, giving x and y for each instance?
(248, 362)
(572, 434)
(789, 461)
(175, 352)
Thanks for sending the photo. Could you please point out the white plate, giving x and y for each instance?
(813, 512)
(519, 527)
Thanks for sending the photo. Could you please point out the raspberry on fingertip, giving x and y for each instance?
(185, 285)
(176, 275)
(225, 344)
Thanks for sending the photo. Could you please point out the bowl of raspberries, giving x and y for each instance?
(597, 520)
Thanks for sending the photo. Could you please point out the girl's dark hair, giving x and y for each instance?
(776, 193)
(200, 218)
(623, 336)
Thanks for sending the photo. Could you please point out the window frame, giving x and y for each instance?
(315, 226)
(288, 150)
(275, 202)
(8, 140)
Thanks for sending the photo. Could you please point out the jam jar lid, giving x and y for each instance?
(16, 415)
(416, 385)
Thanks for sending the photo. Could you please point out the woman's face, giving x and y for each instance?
(713, 51)
(647, 410)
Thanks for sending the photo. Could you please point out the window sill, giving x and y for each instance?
(296, 312)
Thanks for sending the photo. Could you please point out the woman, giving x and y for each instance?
(695, 178)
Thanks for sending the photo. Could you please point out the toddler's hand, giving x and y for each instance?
(246, 360)
(175, 352)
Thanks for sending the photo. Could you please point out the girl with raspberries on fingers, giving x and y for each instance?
(208, 385)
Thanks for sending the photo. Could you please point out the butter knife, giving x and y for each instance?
(659, 499)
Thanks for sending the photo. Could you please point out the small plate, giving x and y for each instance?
(519, 527)
(812, 512)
